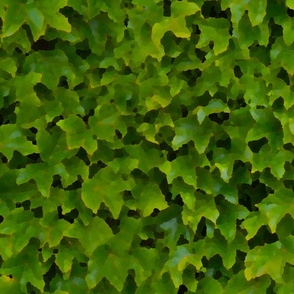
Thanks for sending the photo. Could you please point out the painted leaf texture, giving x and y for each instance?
(147, 146)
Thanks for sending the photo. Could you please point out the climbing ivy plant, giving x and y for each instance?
(146, 146)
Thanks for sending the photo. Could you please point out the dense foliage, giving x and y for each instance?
(146, 146)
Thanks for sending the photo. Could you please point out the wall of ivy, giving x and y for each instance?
(146, 146)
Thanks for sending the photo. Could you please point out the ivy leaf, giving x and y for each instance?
(188, 129)
(70, 101)
(74, 167)
(209, 285)
(12, 138)
(9, 65)
(257, 11)
(42, 173)
(35, 20)
(186, 192)
(64, 259)
(227, 251)
(238, 284)
(12, 24)
(143, 196)
(9, 285)
(105, 121)
(275, 206)
(51, 65)
(52, 15)
(77, 135)
(184, 8)
(254, 221)
(147, 156)
(216, 30)
(105, 187)
(108, 262)
(181, 256)
(290, 4)
(226, 222)
(205, 207)
(88, 236)
(268, 259)
(24, 271)
(214, 106)
(175, 169)
(144, 262)
(21, 226)
(177, 25)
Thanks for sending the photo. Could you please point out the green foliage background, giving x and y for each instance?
(146, 146)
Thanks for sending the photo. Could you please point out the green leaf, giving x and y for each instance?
(228, 215)
(214, 106)
(253, 223)
(186, 192)
(208, 285)
(12, 24)
(108, 264)
(227, 251)
(53, 147)
(105, 187)
(88, 236)
(64, 259)
(176, 25)
(105, 121)
(42, 173)
(147, 156)
(24, 271)
(205, 207)
(257, 11)
(276, 206)
(216, 30)
(290, 4)
(9, 65)
(74, 167)
(52, 15)
(51, 65)
(268, 259)
(144, 194)
(183, 8)
(77, 135)
(35, 20)
(11, 139)
(9, 285)
(182, 166)
(238, 284)
(287, 286)
(188, 129)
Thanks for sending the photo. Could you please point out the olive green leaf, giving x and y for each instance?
(107, 262)
(143, 194)
(105, 187)
(12, 138)
(239, 284)
(77, 135)
(216, 30)
(188, 129)
(268, 259)
(88, 236)
(209, 285)
(205, 207)
(228, 215)
(12, 24)
(24, 271)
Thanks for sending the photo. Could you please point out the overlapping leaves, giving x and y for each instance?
(146, 146)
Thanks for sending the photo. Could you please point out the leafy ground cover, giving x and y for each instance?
(146, 146)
